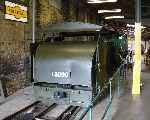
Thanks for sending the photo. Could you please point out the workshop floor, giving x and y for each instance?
(135, 107)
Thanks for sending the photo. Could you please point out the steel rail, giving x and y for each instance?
(10, 117)
(35, 110)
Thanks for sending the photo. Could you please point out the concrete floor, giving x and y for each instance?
(16, 102)
(135, 107)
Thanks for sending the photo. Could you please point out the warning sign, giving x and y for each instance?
(15, 12)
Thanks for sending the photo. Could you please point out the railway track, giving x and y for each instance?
(40, 111)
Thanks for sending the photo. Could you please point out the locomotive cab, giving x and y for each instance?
(67, 72)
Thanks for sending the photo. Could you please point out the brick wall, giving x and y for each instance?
(48, 12)
(13, 55)
(15, 39)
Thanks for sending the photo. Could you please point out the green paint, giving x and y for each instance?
(119, 42)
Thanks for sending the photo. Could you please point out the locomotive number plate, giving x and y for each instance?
(60, 74)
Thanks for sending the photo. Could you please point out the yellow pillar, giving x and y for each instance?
(137, 61)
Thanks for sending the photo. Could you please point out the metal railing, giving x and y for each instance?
(114, 84)
(147, 59)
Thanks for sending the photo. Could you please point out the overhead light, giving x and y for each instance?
(101, 1)
(129, 25)
(110, 11)
(113, 17)
(133, 26)
(97, 30)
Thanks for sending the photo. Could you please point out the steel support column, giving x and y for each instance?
(137, 56)
(33, 37)
(33, 20)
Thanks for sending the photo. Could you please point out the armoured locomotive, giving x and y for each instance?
(70, 72)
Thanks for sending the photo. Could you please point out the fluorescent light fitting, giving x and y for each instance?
(133, 26)
(114, 17)
(97, 30)
(143, 27)
(130, 25)
(109, 11)
(101, 1)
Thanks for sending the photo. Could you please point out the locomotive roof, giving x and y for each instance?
(72, 27)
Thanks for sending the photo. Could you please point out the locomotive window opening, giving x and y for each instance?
(79, 38)
(54, 39)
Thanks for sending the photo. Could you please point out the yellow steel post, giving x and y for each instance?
(137, 60)
(137, 56)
